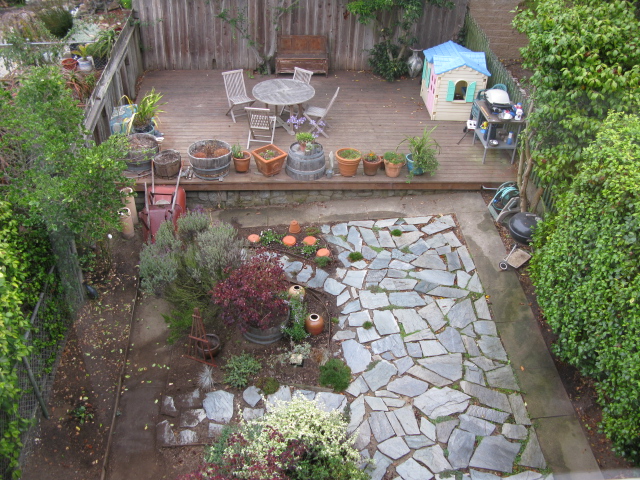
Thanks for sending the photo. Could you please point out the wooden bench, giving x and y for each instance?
(304, 51)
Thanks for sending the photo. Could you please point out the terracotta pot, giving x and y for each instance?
(210, 349)
(126, 223)
(392, 169)
(314, 324)
(69, 63)
(348, 166)
(271, 166)
(289, 241)
(242, 164)
(371, 168)
(294, 227)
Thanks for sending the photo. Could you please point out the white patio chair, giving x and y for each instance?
(236, 91)
(262, 126)
(319, 114)
(301, 75)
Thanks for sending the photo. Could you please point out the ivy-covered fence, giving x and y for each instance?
(36, 372)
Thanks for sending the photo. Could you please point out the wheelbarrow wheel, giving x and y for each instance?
(503, 265)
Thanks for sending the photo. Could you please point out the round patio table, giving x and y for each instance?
(283, 93)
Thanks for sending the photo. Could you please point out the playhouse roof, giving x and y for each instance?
(449, 55)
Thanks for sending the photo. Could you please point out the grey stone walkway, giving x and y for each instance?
(433, 391)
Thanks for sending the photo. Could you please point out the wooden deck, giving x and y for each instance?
(369, 114)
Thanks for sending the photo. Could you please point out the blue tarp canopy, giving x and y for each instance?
(449, 55)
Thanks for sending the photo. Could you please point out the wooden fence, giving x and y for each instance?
(186, 35)
(118, 78)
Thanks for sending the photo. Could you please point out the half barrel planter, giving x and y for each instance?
(305, 166)
(269, 166)
(143, 147)
(209, 160)
(348, 166)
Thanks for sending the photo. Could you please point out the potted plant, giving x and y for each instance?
(145, 112)
(210, 159)
(101, 48)
(423, 152)
(269, 159)
(253, 298)
(348, 161)
(393, 163)
(371, 163)
(241, 158)
(84, 61)
(305, 140)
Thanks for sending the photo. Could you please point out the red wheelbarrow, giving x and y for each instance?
(164, 203)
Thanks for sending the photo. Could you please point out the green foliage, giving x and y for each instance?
(296, 330)
(191, 224)
(269, 236)
(322, 261)
(424, 151)
(268, 385)
(103, 43)
(336, 374)
(159, 262)
(239, 368)
(20, 33)
(367, 325)
(396, 232)
(57, 20)
(126, 4)
(586, 272)
(586, 61)
(147, 108)
(355, 256)
(385, 61)
(393, 157)
(215, 452)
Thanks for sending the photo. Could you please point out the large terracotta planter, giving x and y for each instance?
(392, 169)
(272, 166)
(371, 168)
(348, 166)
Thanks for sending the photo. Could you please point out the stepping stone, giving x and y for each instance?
(424, 287)
(215, 429)
(398, 284)
(485, 364)
(385, 322)
(476, 426)
(433, 457)
(252, 395)
(340, 229)
(333, 287)
(380, 426)
(411, 321)
(187, 437)
(445, 304)
(408, 386)
(474, 284)
(529, 475)
(354, 278)
(471, 346)
(382, 261)
(468, 331)
(392, 343)
(249, 414)
(495, 453)
(448, 219)
(398, 265)
(419, 247)
(361, 223)
(492, 348)
(394, 402)
(532, 454)
(435, 227)
(352, 307)
(385, 239)
(482, 309)
(378, 469)
(169, 408)
(344, 335)
(412, 470)
(395, 424)
(461, 314)
(453, 261)
(447, 366)
(485, 327)
(438, 277)
(402, 256)
(436, 241)
(395, 273)
(367, 334)
(406, 299)
(462, 278)
(519, 410)
(283, 395)
(191, 418)
(414, 350)
(428, 429)
(394, 448)
(380, 374)
(372, 300)
(189, 400)
(407, 238)
(357, 412)
(433, 315)
(308, 394)
(418, 220)
(486, 396)
(466, 259)
(430, 260)
(428, 376)
(356, 356)
(460, 447)
(375, 276)
(376, 404)
(294, 267)
(369, 253)
(305, 274)
(425, 334)
(451, 340)
(440, 402)
(357, 387)
(369, 237)
(432, 348)
(218, 406)
(403, 364)
(443, 251)
(355, 239)
(502, 377)
(448, 292)
(487, 414)
(329, 401)
(444, 429)
(357, 319)
(364, 436)
(407, 418)
(318, 280)
(478, 475)
(451, 239)
(514, 432)
(418, 441)
(386, 222)
(164, 434)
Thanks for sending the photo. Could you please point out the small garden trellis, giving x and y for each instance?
(199, 347)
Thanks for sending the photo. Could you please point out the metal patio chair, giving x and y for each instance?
(319, 114)
(236, 92)
(262, 126)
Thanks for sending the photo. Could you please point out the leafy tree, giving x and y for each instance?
(587, 275)
(394, 21)
(586, 59)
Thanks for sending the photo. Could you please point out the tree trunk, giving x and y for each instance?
(536, 199)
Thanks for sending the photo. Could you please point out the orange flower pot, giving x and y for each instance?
(289, 240)
(309, 240)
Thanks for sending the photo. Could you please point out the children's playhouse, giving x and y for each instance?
(451, 77)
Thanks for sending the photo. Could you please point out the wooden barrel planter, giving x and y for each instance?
(303, 166)
(263, 337)
(143, 147)
(210, 159)
(167, 163)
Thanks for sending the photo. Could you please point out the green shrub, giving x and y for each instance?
(57, 20)
(336, 374)
(367, 325)
(268, 385)
(191, 224)
(239, 368)
(322, 261)
(218, 247)
(384, 61)
(396, 232)
(355, 256)
(159, 262)
(586, 270)
(295, 329)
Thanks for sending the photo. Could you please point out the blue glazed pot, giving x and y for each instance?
(415, 171)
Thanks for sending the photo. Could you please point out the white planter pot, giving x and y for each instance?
(85, 65)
